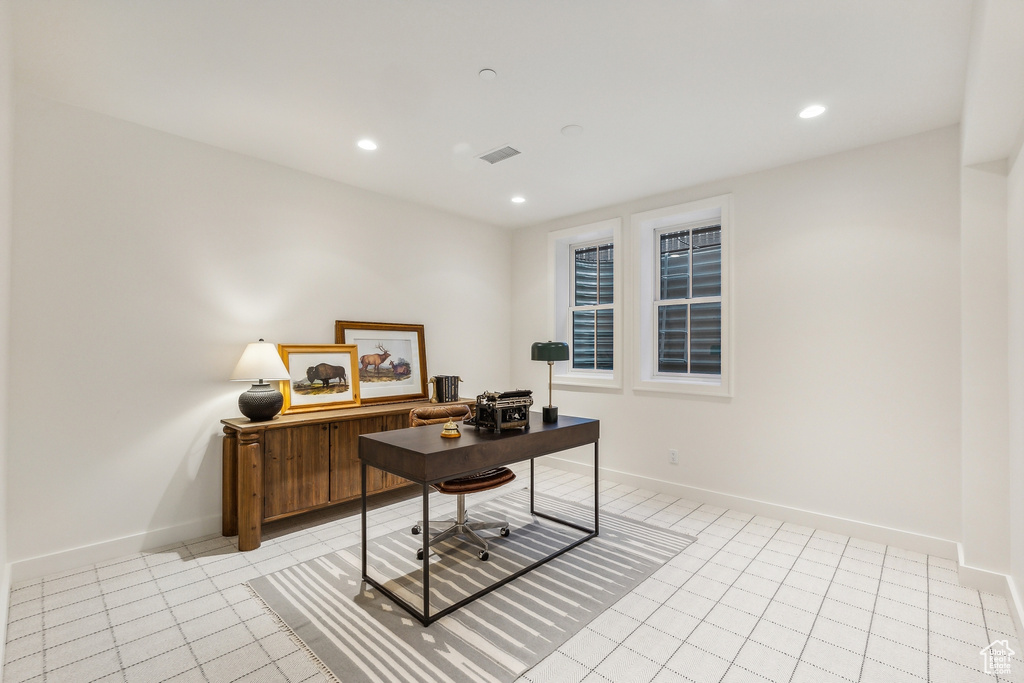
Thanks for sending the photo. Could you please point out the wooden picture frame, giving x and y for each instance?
(400, 371)
(314, 369)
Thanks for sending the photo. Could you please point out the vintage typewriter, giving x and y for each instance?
(504, 410)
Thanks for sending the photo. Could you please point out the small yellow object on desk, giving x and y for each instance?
(451, 430)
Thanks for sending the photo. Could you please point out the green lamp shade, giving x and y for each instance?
(549, 351)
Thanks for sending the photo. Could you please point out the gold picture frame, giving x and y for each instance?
(314, 369)
(392, 360)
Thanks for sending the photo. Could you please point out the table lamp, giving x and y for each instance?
(550, 351)
(259, 362)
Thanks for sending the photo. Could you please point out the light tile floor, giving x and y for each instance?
(753, 600)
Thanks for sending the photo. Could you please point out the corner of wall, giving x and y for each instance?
(1015, 310)
(5, 599)
(993, 582)
(6, 218)
(984, 390)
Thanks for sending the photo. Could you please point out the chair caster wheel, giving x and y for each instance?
(483, 555)
(504, 531)
(415, 530)
(419, 554)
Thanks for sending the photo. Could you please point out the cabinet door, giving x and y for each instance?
(345, 482)
(375, 479)
(395, 422)
(295, 469)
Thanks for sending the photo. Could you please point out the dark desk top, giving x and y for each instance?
(421, 455)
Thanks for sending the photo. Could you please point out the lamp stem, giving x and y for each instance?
(551, 365)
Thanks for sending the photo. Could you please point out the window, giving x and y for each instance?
(682, 312)
(583, 264)
(689, 301)
(591, 309)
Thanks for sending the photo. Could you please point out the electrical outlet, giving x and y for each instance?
(673, 456)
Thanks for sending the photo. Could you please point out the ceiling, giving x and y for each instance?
(669, 93)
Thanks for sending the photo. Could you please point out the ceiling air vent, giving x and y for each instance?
(499, 154)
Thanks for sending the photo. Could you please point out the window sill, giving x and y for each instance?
(608, 381)
(696, 387)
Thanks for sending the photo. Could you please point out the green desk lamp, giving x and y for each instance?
(550, 351)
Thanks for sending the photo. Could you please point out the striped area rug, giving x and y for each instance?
(359, 635)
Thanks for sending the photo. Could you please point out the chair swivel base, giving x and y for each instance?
(460, 527)
(465, 530)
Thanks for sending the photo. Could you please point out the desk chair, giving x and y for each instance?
(474, 483)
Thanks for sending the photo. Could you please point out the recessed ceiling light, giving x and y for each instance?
(487, 74)
(518, 199)
(572, 130)
(812, 111)
(367, 144)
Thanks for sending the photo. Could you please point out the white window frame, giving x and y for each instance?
(561, 244)
(571, 250)
(659, 302)
(647, 228)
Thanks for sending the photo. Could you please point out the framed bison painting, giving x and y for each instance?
(391, 357)
(323, 376)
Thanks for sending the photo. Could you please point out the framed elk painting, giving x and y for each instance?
(391, 357)
(323, 376)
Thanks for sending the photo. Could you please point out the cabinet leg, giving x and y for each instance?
(229, 490)
(250, 493)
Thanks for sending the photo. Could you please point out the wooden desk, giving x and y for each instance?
(420, 455)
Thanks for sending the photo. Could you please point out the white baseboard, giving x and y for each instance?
(980, 579)
(970, 577)
(1016, 607)
(83, 556)
(999, 584)
(921, 543)
(5, 597)
(992, 582)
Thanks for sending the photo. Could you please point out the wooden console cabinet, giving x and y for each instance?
(297, 463)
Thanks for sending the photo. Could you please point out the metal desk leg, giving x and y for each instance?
(596, 490)
(532, 460)
(362, 471)
(426, 553)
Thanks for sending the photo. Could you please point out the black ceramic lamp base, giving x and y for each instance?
(551, 413)
(261, 403)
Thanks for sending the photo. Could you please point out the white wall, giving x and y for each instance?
(143, 264)
(5, 297)
(1015, 258)
(993, 302)
(847, 338)
(983, 301)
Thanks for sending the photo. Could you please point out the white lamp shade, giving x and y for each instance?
(260, 360)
